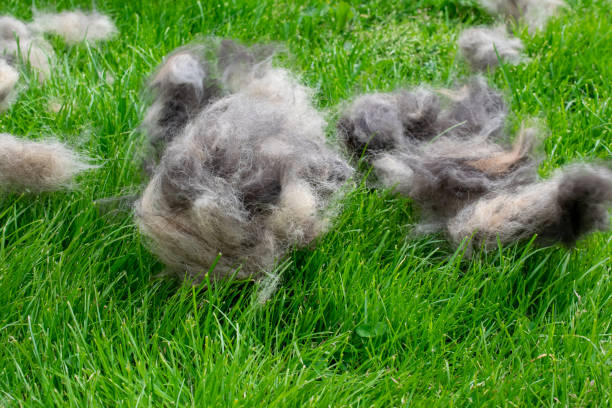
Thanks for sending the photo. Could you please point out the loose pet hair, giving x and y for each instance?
(8, 79)
(571, 204)
(75, 26)
(485, 47)
(244, 171)
(37, 166)
(535, 13)
(447, 151)
(16, 39)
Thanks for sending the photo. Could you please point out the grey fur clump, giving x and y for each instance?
(535, 13)
(17, 39)
(572, 204)
(439, 148)
(447, 151)
(183, 85)
(75, 26)
(244, 176)
(8, 79)
(37, 166)
(485, 47)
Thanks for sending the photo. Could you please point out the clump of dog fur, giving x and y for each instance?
(37, 166)
(485, 47)
(75, 26)
(449, 151)
(535, 13)
(18, 38)
(8, 80)
(244, 171)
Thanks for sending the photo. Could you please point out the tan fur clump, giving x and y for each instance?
(37, 166)
(535, 13)
(563, 209)
(242, 177)
(485, 47)
(17, 39)
(8, 79)
(75, 26)
(447, 151)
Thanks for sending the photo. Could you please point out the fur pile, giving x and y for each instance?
(37, 166)
(245, 173)
(535, 13)
(26, 39)
(446, 150)
(573, 203)
(8, 79)
(485, 47)
(75, 26)
(16, 39)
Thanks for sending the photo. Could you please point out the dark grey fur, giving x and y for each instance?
(446, 150)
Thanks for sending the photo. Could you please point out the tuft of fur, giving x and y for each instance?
(75, 26)
(37, 166)
(8, 79)
(17, 39)
(183, 85)
(535, 13)
(446, 151)
(441, 149)
(572, 204)
(485, 47)
(243, 177)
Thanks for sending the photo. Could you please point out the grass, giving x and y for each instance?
(372, 316)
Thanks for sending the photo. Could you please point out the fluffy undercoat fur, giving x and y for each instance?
(447, 151)
(8, 79)
(485, 47)
(573, 203)
(243, 177)
(535, 13)
(17, 39)
(37, 166)
(75, 26)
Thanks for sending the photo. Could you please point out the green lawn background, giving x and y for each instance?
(372, 316)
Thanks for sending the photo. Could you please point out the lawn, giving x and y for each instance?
(371, 316)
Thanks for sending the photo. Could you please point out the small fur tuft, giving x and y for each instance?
(535, 13)
(485, 47)
(75, 26)
(37, 166)
(17, 39)
(8, 79)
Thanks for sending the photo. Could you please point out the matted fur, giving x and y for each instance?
(485, 47)
(573, 203)
(535, 13)
(8, 79)
(17, 39)
(442, 148)
(75, 26)
(245, 176)
(37, 166)
(445, 150)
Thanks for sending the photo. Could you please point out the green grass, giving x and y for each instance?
(372, 316)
